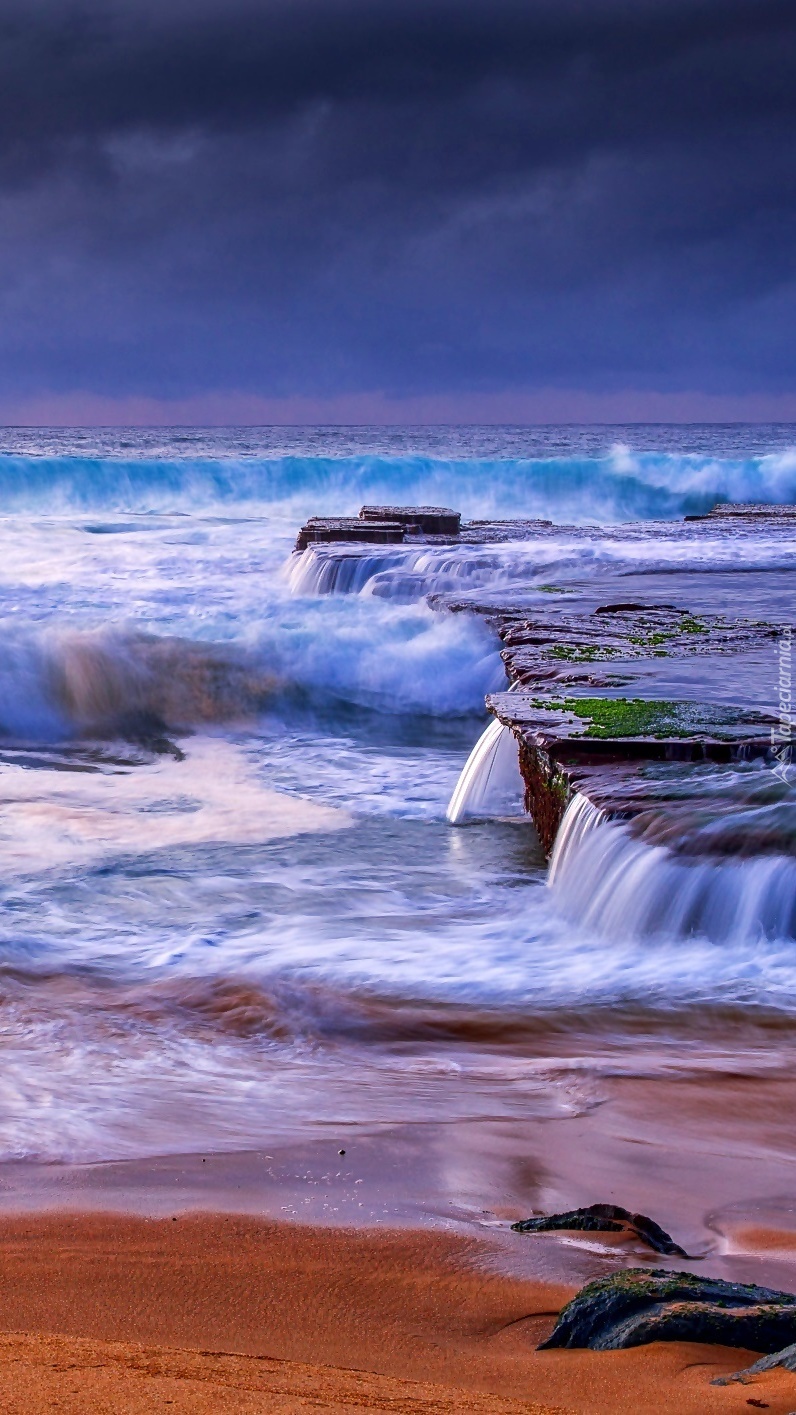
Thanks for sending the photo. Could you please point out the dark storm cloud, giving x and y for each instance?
(316, 195)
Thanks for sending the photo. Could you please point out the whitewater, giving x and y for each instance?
(233, 904)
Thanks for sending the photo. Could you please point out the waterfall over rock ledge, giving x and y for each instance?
(611, 881)
(490, 783)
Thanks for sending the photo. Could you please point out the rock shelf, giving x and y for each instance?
(396, 525)
(751, 512)
(418, 520)
(589, 745)
(575, 704)
(320, 530)
(587, 710)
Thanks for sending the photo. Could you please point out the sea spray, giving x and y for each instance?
(398, 659)
(61, 682)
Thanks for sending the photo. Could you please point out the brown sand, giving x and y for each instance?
(64, 1373)
(216, 1313)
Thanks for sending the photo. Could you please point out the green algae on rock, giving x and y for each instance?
(563, 741)
(582, 653)
(651, 717)
(630, 719)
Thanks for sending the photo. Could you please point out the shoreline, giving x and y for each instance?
(134, 1311)
(221, 1312)
(146, 1278)
(698, 1139)
(175, 1278)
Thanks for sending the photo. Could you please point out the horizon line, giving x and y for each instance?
(553, 422)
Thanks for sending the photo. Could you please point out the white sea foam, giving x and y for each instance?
(50, 820)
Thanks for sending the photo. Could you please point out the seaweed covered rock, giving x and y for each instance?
(605, 1218)
(642, 1305)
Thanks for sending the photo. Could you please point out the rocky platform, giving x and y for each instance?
(619, 699)
(750, 512)
(411, 525)
(441, 524)
(579, 705)
(602, 747)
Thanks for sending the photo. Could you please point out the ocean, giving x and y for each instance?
(233, 909)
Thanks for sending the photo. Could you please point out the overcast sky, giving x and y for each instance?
(374, 207)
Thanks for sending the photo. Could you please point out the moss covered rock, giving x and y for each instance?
(642, 1305)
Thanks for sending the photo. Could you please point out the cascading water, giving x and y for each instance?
(405, 572)
(618, 885)
(336, 571)
(581, 819)
(490, 782)
(410, 572)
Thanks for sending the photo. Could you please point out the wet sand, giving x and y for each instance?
(214, 1312)
(699, 1136)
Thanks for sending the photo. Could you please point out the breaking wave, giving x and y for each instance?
(56, 684)
(619, 485)
(61, 683)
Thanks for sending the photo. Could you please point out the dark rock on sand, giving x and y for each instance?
(642, 1305)
(605, 1218)
(785, 1358)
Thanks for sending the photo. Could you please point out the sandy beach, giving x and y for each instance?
(215, 1312)
(306, 1279)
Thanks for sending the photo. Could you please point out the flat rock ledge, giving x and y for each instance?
(381, 525)
(581, 743)
(396, 525)
(565, 667)
(642, 1305)
(748, 511)
(576, 733)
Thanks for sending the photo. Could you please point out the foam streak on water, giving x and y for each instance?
(232, 905)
